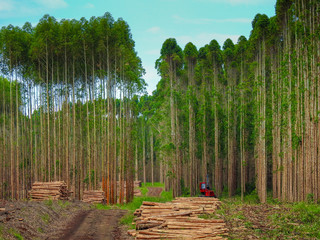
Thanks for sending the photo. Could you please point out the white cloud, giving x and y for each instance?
(6, 5)
(89, 5)
(154, 30)
(52, 4)
(202, 39)
(210, 20)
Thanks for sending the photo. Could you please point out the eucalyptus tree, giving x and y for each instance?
(65, 80)
(169, 64)
(191, 55)
(231, 75)
(240, 52)
(12, 52)
(215, 59)
(258, 38)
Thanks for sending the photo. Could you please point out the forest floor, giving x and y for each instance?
(154, 191)
(274, 220)
(59, 220)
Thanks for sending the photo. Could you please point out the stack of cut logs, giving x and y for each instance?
(49, 191)
(178, 220)
(94, 196)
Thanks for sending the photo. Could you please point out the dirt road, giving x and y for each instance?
(60, 220)
(93, 225)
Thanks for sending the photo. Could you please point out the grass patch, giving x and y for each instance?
(135, 204)
(15, 234)
(1, 232)
(144, 187)
(45, 218)
(144, 190)
(48, 203)
(63, 204)
(40, 230)
(273, 220)
(128, 220)
(155, 184)
(251, 198)
(101, 206)
(303, 219)
(207, 216)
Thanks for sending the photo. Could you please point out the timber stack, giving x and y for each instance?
(178, 220)
(94, 196)
(41, 191)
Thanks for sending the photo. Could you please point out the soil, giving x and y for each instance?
(93, 224)
(254, 221)
(154, 191)
(53, 220)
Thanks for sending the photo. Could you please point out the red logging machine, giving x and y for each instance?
(205, 189)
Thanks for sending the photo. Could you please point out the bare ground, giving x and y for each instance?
(154, 191)
(60, 220)
(93, 225)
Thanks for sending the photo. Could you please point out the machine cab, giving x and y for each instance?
(202, 187)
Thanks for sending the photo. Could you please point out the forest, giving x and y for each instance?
(67, 105)
(246, 114)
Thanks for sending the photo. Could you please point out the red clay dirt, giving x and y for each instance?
(154, 191)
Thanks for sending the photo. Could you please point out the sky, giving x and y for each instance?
(151, 21)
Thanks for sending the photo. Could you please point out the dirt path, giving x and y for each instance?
(154, 191)
(93, 225)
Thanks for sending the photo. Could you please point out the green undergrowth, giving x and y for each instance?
(155, 184)
(137, 202)
(45, 218)
(15, 234)
(303, 219)
(1, 232)
(144, 187)
(63, 204)
(273, 220)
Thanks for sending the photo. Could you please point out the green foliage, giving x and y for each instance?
(170, 49)
(5, 99)
(144, 190)
(166, 196)
(190, 51)
(48, 203)
(135, 204)
(155, 184)
(185, 191)
(63, 204)
(310, 198)
(128, 220)
(45, 218)
(15, 234)
(303, 219)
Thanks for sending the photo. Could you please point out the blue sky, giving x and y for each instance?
(151, 21)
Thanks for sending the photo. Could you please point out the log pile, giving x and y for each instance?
(41, 191)
(178, 220)
(94, 196)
